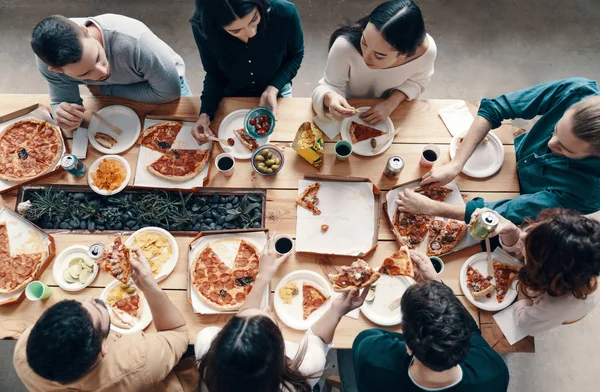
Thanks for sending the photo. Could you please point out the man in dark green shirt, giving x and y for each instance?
(558, 160)
(440, 349)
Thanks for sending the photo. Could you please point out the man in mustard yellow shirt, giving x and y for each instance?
(70, 347)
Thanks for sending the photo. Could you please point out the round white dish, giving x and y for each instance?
(364, 148)
(62, 262)
(169, 265)
(486, 160)
(122, 117)
(233, 121)
(94, 167)
(145, 320)
(291, 314)
(479, 262)
(388, 289)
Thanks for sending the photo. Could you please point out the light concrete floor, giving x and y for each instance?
(485, 48)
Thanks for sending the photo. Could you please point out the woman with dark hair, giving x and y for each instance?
(249, 354)
(559, 282)
(249, 48)
(385, 55)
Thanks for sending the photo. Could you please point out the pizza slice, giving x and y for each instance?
(504, 275)
(478, 284)
(444, 236)
(105, 140)
(247, 256)
(410, 229)
(115, 261)
(248, 141)
(312, 299)
(125, 308)
(160, 137)
(309, 200)
(360, 132)
(437, 193)
(179, 165)
(398, 264)
(358, 275)
(4, 244)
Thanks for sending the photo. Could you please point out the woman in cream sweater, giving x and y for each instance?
(385, 55)
(559, 282)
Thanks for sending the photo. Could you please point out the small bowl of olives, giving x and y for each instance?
(267, 160)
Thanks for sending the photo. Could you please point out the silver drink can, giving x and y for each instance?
(393, 167)
(485, 223)
(96, 250)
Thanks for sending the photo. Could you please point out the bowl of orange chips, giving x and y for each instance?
(109, 175)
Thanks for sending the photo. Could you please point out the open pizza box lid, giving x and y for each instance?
(454, 198)
(227, 243)
(25, 237)
(39, 112)
(144, 179)
(350, 206)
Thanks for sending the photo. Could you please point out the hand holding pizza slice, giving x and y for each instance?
(115, 261)
(358, 275)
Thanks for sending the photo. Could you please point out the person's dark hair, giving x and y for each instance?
(562, 251)
(56, 40)
(212, 15)
(248, 354)
(436, 326)
(64, 343)
(399, 21)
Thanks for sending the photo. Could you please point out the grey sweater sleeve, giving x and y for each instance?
(154, 63)
(61, 90)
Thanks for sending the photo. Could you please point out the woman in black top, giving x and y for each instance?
(249, 48)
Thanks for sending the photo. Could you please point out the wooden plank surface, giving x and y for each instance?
(420, 125)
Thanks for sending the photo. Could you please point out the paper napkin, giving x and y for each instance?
(456, 117)
(506, 321)
(331, 128)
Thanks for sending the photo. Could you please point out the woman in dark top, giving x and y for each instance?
(249, 48)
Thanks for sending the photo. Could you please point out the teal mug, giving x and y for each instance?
(36, 290)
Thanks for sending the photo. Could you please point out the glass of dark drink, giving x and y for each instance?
(283, 244)
(430, 155)
(437, 263)
(343, 149)
(225, 163)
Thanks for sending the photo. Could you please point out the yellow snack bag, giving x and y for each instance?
(309, 144)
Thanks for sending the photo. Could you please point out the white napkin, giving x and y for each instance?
(331, 128)
(80, 142)
(506, 321)
(456, 117)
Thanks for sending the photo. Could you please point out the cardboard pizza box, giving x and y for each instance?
(144, 179)
(258, 237)
(361, 237)
(40, 112)
(21, 235)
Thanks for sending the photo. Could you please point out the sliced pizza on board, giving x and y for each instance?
(160, 137)
(360, 132)
(398, 264)
(309, 200)
(312, 299)
(115, 261)
(358, 275)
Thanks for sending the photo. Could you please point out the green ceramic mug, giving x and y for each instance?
(36, 290)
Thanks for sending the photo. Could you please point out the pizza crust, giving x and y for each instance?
(482, 293)
(309, 200)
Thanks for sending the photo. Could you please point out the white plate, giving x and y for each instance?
(479, 262)
(122, 117)
(291, 314)
(388, 289)
(62, 262)
(233, 121)
(94, 167)
(145, 320)
(169, 265)
(364, 148)
(486, 160)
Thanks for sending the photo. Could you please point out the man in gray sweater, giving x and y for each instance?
(113, 55)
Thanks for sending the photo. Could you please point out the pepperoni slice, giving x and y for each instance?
(225, 278)
(227, 299)
(212, 277)
(240, 297)
(205, 287)
(230, 284)
(200, 273)
(239, 273)
(223, 267)
(219, 285)
(215, 297)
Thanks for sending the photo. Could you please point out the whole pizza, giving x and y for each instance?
(28, 149)
(16, 271)
(220, 286)
(160, 137)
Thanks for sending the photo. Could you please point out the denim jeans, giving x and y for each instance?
(185, 87)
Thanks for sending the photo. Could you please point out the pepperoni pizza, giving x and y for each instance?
(179, 165)
(16, 271)
(160, 137)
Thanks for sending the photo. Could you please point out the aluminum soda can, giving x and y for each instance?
(393, 167)
(485, 223)
(96, 250)
(73, 165)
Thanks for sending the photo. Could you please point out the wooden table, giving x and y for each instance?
(421, 125)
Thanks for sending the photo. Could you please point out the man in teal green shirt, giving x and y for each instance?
(558, 161)
(441, 347)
